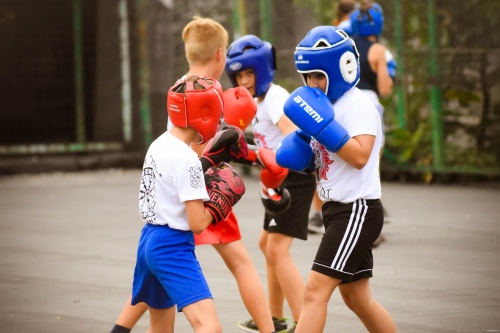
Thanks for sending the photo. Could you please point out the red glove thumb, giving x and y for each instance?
(271, 175)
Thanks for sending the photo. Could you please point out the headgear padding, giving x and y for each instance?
(330, 51)
(250, 52)
(197, 103)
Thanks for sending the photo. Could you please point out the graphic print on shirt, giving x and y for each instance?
(147, 195)
(260, 140)
(322, 160)
(196, 177)
(147, 191)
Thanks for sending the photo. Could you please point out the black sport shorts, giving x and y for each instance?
(293, 222)
(345, 251)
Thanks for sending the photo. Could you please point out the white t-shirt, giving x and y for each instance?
(171, 175)
(269, 112)
(338, 180)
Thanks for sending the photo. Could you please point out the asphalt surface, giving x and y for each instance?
(68, 242)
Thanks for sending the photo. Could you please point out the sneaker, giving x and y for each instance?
(315, 224)
(249, 325)
(290, 330)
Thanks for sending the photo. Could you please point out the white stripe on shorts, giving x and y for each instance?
(351, 235)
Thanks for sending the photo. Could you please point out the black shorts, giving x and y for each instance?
(345, 251)
(293, 222)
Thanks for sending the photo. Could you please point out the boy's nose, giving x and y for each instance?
(313, 83)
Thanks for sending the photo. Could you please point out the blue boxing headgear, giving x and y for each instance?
(367, 22)
(250, 52)
(329, 50)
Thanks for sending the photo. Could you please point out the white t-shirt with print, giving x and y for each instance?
(269, 112)
(171, 175)
(338, 180)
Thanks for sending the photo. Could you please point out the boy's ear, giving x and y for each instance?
(220, 53)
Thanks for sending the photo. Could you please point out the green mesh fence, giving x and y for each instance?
(80, 75)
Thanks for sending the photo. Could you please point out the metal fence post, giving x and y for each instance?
(265, 20)
(125, 72)
(79, 83)
(400, 86)
(145, 110)
(436, 114)
(239, 19)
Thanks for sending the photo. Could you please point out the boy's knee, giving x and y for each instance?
(355, 303)
(274, 255)
(208, 328)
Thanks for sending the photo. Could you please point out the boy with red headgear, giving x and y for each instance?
(177, 199)
(205, 47)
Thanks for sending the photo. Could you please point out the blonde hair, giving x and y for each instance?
(203, 37)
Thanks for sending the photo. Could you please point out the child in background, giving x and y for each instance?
(251, 64)
(343, 9)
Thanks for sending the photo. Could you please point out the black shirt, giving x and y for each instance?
(368, 78)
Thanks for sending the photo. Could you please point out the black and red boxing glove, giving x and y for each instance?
(225, 188)
(239, 107)
(275, 200)
(227, 144)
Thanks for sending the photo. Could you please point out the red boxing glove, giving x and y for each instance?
(225, 188)
(271, 175)
(239, 107)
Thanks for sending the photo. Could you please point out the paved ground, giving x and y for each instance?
(67, 246)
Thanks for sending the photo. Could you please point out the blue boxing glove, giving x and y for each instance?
(391, 64)
(311, 110)
(294, 152)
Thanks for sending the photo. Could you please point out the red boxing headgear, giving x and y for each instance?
(196, 102)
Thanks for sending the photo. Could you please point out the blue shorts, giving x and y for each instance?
(167, 272)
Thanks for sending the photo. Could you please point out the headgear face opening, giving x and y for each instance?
(367, 22)
(250, 52)
(330, 51)
(197, 103)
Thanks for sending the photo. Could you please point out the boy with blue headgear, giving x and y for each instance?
(251, 63)
(340, 133)
(364, 23)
